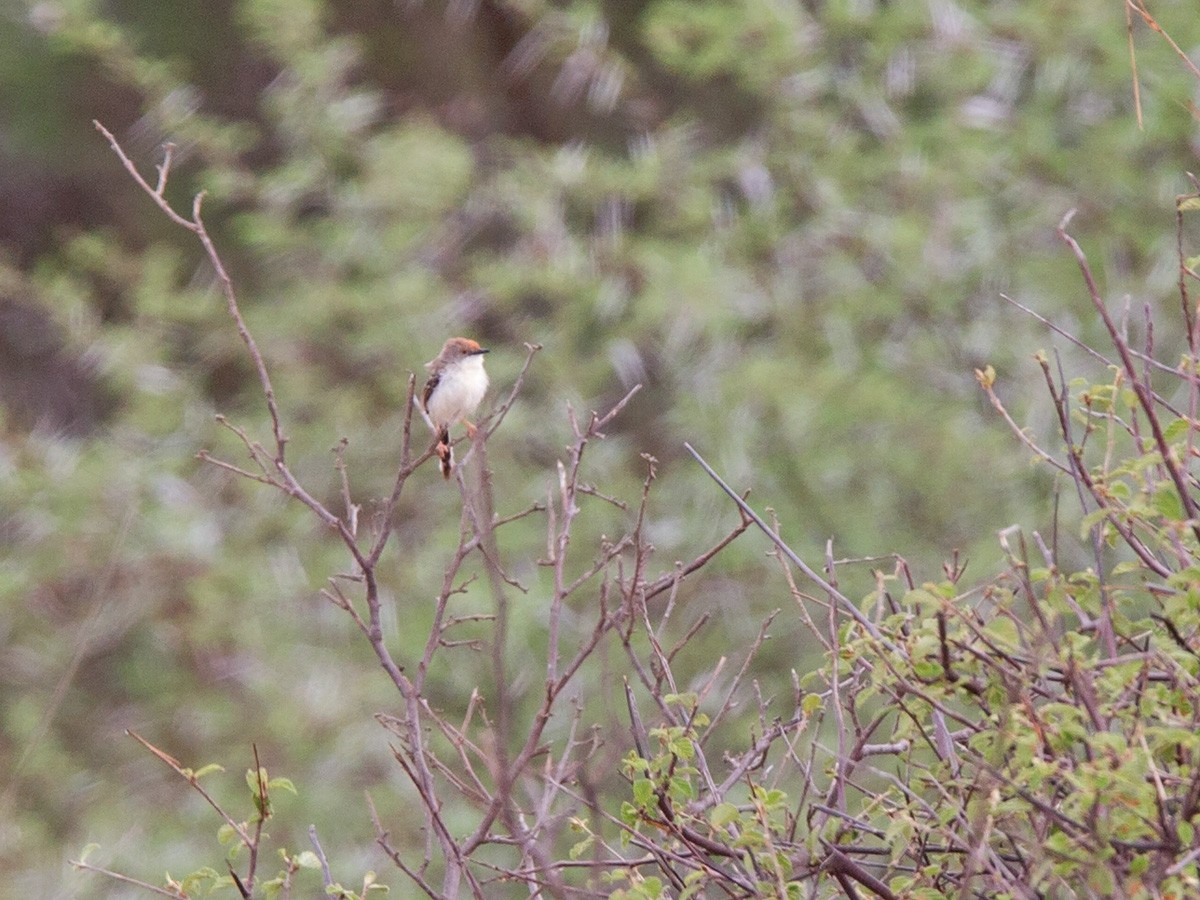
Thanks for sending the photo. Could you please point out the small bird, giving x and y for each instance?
(456, 385)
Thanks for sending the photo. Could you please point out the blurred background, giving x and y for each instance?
(791, 221)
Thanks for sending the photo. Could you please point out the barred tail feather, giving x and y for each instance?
(445, 452)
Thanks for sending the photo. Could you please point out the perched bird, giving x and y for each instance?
(456, 385)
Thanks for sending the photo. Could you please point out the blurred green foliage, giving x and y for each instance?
(791, 223)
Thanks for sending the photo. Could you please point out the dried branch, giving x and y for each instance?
(829, 589)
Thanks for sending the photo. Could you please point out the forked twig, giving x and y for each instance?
(845, 602)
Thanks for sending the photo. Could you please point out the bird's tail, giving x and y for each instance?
(445, 452)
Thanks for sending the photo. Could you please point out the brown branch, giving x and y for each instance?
(1139, 7)
(188, 776)
(125, 879)
(791, 554)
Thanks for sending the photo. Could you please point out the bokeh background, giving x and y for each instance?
(791, 222)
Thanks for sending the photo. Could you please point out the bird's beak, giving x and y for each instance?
(483, 350)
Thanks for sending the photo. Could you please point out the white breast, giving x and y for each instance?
(459, 391)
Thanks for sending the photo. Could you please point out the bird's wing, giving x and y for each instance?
(429, 388)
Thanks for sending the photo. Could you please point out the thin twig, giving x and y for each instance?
(829, 589)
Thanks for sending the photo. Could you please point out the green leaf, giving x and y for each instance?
(927, 670)
(206, 770)
(1188, 203)
(643, 792)
(308, 860)
(1177, 429)
(921, 602)
(1091, 520)
(811, 703)
(633, 764)
(1168, 505)
(581, 847)
(284, 784)
(774, 798)
(629, 815)
(1003, 631)
(681, 789)
(722, 814)
(688, 700)
(1100, 879)
(194, 880)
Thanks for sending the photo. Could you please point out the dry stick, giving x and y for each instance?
(320, 851)
(1140, 388)
(730, 698)
(454, 873)
(837, 791)
(1137, 90)
(352, 508)
(506, 775)
(553, 689)
(672, 579)
(178, 769)
(506, 772)
(704, 619)
(419, 773)
(1139, 7)
(800, 597)
(840, 865)
(1184, 271)
(407, 467)
(196, 226)
(568, 478)
(749, 759)
(381, 838)
(554, 776)
(829, 589)
(1100, 357)
(465, 546)
(1024, 438)
(125, 879)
